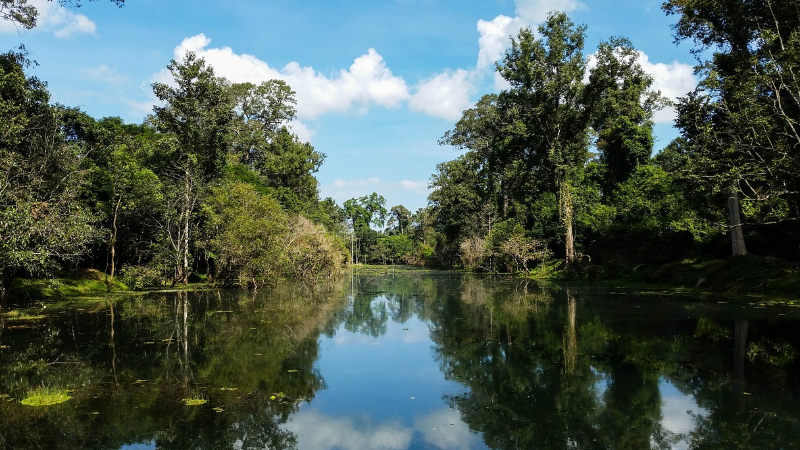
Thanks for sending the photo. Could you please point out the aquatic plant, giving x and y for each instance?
(46, 397)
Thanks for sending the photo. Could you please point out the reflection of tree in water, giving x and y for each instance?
(250, 357)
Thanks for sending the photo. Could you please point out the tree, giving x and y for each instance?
(134, 191)
(547, 108)
(623, 105)
(42, 176)
(198, 112)
(742, 121)
(365, 211)
(246, 233)
(399, 219)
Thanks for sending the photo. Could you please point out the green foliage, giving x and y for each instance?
(311, 251)
(246, 234)
(46, 397)
(396, 247)
(42, 177)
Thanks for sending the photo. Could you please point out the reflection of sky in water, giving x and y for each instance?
(677, 410)
(148, 446)
(383, 393)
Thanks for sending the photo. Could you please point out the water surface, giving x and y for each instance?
(402, 360)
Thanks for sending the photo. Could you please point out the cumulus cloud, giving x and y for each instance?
(367, 82)
(444, 95)
(496, 34)
(673, 80)
(301, 130)
(53, 17)
(496, 37)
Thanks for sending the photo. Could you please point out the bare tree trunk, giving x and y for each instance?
(114, 245)
(737, 237)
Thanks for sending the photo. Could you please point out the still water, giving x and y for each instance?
(402, 360)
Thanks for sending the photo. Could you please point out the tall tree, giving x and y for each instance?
(546, 101)
(742, 121)
(623, 106)
(399, 219)
(198, 112)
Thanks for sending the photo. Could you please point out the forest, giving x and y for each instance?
(557, 174)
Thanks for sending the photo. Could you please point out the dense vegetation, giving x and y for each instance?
(213, 182)
(561, 164)
(557, 172)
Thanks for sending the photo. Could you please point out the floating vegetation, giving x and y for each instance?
(19, 315)
(218, 409)
(195, 401)
(46, 397)
(292, 370)
(228, 389)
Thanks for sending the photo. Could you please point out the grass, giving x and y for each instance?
(46, 397)
(83, 284)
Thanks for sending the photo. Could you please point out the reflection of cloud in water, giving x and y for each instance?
(677, 412)
(445, 430)
(442, 429)
(317, 431)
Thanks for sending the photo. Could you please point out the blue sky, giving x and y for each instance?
(378, 81)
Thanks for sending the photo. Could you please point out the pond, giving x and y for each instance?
(401, 360)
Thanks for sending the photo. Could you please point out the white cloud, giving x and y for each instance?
(535, 11)
(496, 34)
(53, 17)
(77, 24)
(673, 80)
(496, 37)
(444, 95)
(105, 74)
(418, 186)
(367, 82)
(302, 131)
(339, 183)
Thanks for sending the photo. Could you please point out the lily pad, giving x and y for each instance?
(194, 401)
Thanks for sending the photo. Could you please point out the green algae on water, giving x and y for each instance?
(46, 397)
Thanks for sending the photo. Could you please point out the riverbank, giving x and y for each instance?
(749, 275)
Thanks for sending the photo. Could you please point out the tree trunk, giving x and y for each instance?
(737, 237)
(113, 244)
(567, 213)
